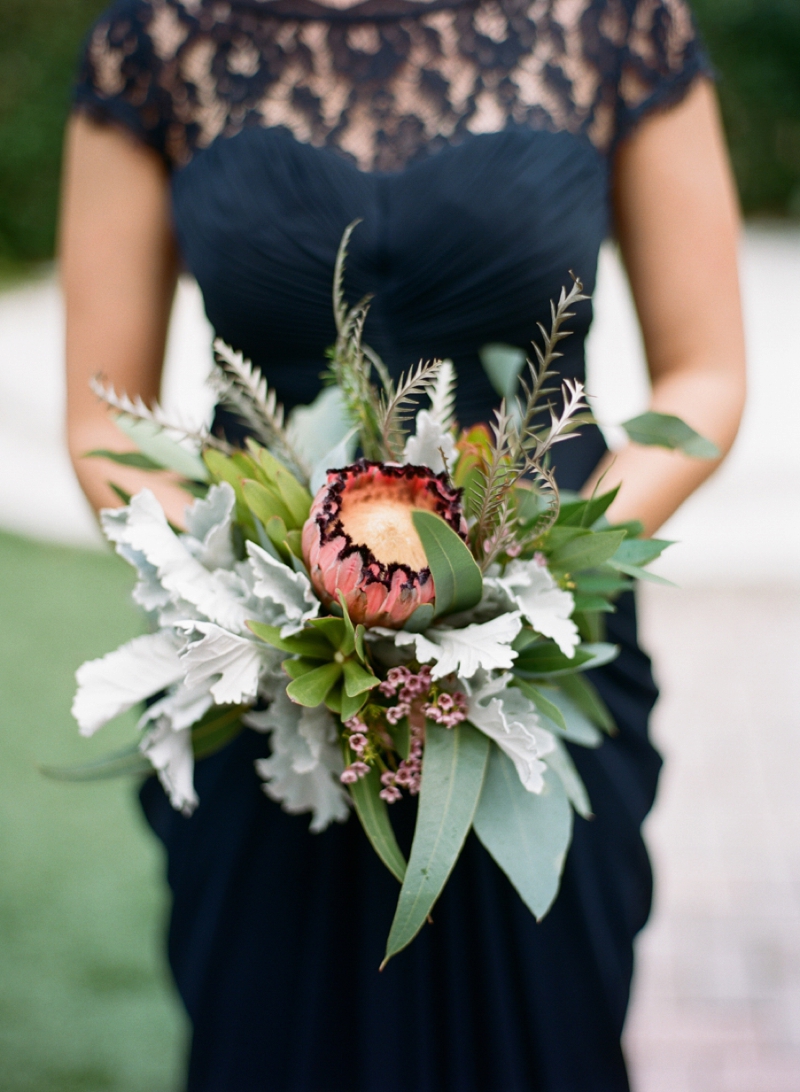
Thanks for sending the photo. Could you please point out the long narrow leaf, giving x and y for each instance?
(457, 579)
(527, 833)
(452, 776)
(665, 430)
(374, 816)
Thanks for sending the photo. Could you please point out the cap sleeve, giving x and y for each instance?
(662, 56)
(121, 71)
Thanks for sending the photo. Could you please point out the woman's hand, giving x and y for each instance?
(118, 269)
(678, 225)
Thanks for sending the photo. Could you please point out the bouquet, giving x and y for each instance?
(416, 621)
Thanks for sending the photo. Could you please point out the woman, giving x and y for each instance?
(488, 146)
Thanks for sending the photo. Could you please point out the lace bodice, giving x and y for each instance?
(384, 82)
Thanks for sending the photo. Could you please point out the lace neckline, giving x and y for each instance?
(385, 82)
(374, 11)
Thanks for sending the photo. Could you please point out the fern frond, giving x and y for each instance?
(155, 415)
(396, 410)
(443, 395)
(339, 303)
(244, 389)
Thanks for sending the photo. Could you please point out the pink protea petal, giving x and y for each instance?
(360, 540)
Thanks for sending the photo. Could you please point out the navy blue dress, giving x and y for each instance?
(474, 139)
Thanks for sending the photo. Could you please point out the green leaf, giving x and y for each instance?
(665, 430)
(560, 762)
(420, 619)
(360, 652)
(584, 695)
(374, 816)
(357, 679)
(401, 735)
(546, 657)
(502, 364)
(217, 728)
(586, 552)
(348, 643)
(294, 540)
(547, 660)
(584, 603)
(452, 775)
(265, 503)
(528, 834)
(640, 574)
(152, 441)
(334, 630)
(574, 724)
(296, 498)
(640, 551)
(124, 763)
(125, 458)
(602, 581)
(310, 689)
(123, 495)
(585, 513)
(543, 704)
(457, 580)
(348, 707)
(309, 642)
(295, 668)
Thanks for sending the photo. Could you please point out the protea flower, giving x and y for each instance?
(359, 539)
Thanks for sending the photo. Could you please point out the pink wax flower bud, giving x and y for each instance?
(360, 540)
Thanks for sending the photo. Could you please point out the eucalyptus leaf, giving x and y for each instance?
(340, 455)
(583, 694)
(585, 513)
(528, 834)
(374, 816)
(457, 580)
(546, 659)
(502, 364)
(452, 775)
(601, 581)
(640, 574)
(152, 441)
(123, 763)
(665, 430)
(640, 551)
(575, 725)
(543, 704)
(586, 552)
(125, 458)
(420, 619)
(560, 762)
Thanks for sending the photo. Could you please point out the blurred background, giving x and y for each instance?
(85, 1003)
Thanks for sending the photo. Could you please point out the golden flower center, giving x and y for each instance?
(380, 519)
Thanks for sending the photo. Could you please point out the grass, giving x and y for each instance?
(85, 1001)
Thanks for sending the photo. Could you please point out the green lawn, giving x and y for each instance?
(85, 1000)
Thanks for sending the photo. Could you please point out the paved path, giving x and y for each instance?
(717, 999)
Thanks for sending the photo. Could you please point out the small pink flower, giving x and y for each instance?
(390, 794)
(357, 742)
(354, 772)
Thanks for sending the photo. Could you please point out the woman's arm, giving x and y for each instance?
(677, 223)
(118, 268)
